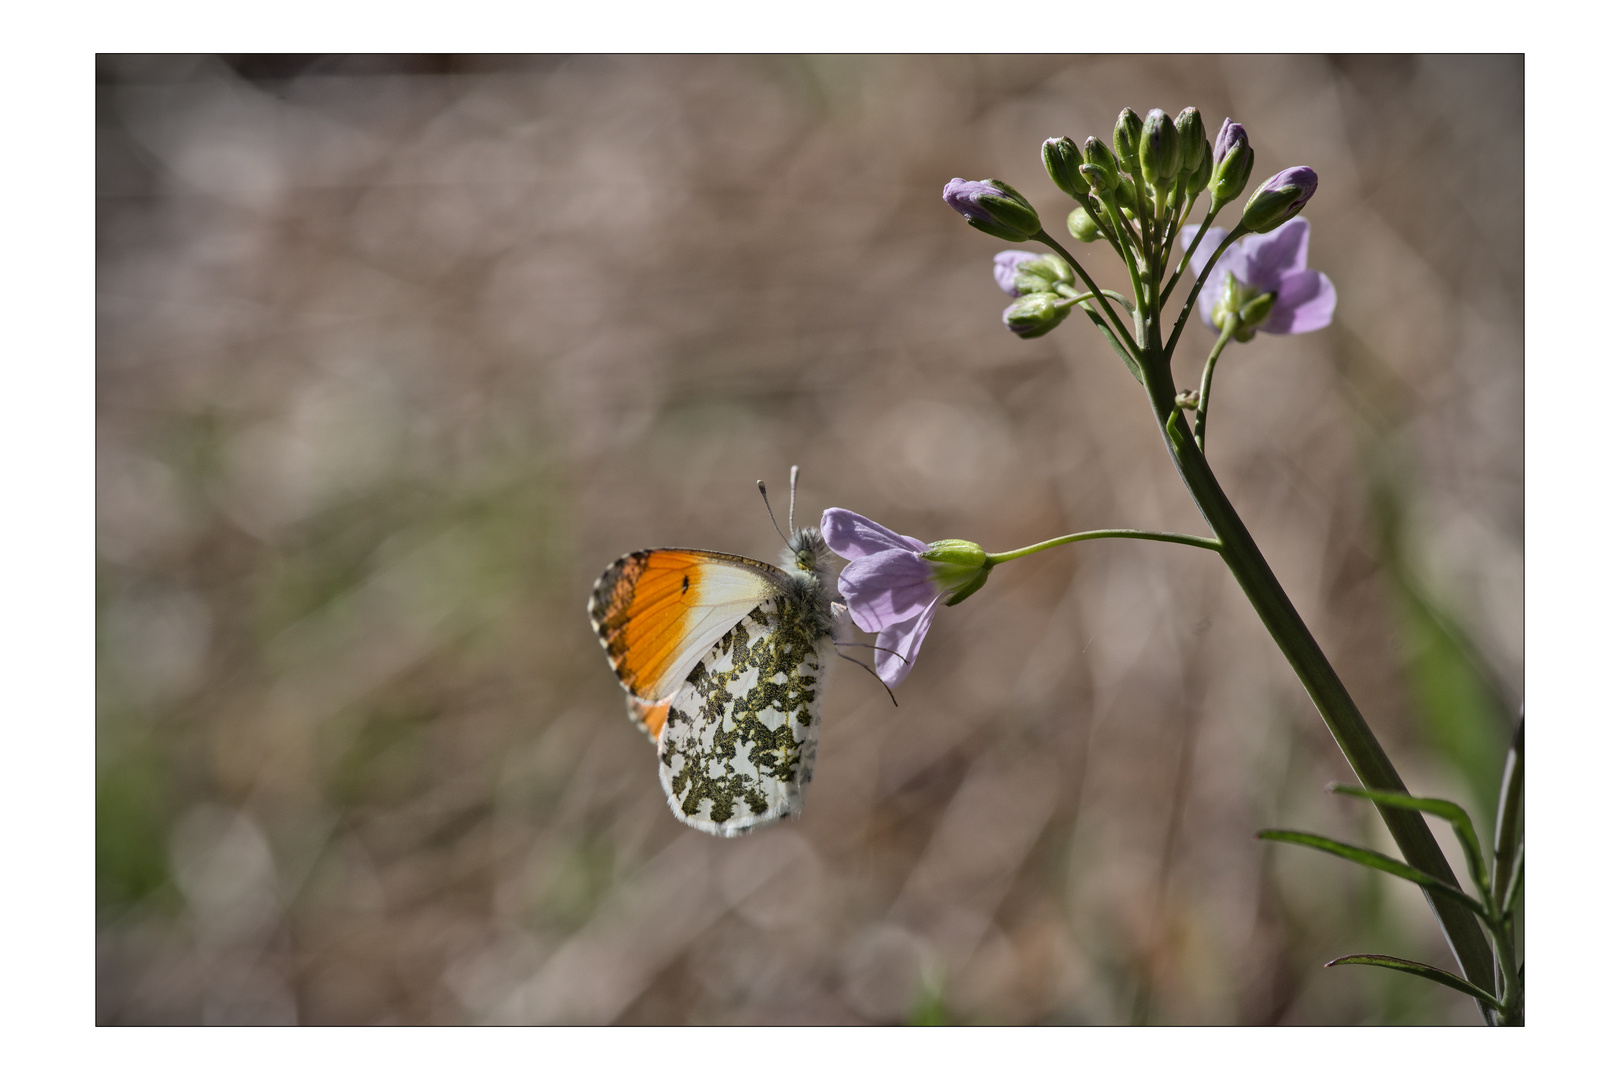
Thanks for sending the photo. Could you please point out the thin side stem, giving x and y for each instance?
(1207, 542)
(1046, 238)
(1204, 385)
(1198, 286)
(1209, 219)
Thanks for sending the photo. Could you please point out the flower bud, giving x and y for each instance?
(1033, 315)
(1159, 149)
(1101, 159)
(994, 207)
(1062, 158)
(1201, 174)
(1190, 133)
(1007, 266)
(1127, 137)
(1233, 162)
(1082, 227)
(1020, 273)
(1279, 198)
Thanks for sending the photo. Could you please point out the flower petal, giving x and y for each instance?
(887, 588)
(1270, 257)
(853, 536)
(1305, 302)
(904, 638)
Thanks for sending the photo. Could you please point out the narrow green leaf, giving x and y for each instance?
(1461, 824)
(1422, 971)
(1374, 860)
(1509, 844)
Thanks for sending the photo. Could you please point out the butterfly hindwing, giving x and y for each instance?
(739, 741)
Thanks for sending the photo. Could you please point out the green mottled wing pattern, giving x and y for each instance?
(740, 740)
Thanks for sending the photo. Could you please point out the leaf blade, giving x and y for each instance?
(1375, 860)
(1423, 971)
(1461, 823)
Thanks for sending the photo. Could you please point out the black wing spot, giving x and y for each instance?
(686, 583)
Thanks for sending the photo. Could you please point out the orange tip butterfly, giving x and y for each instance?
(724, 659)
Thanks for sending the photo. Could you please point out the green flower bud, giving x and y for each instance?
(1159, 149)
(1200, 175)
(1062, 159)
(1190, 133)
(1050, 269)
(1082, 227)
(1127, 137)
(1101, 159)
(1033, 315)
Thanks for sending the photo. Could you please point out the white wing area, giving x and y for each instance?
(739, 743)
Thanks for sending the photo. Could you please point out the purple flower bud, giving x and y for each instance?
(1279, 198)
(1021, 272)
(1233, 162)
(1006, 269)
(994, 207)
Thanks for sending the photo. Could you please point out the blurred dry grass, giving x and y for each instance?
(394, 355)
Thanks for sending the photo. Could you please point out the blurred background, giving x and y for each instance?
(395, 354)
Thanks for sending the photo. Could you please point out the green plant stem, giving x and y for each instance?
(1198, 287)
(1186, 258)
(1344, 721)
(1205, 384)
(1103, 534)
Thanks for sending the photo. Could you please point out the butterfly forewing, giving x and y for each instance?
(658, 612)
(739, 741)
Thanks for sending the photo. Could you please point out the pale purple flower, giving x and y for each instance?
(890, 589)
(1006, 269)
(1271, 262)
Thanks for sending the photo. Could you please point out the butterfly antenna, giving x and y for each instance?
(875, 675)
(793, 493)
(768, 510)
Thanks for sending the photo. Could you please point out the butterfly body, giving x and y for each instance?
(724, 659)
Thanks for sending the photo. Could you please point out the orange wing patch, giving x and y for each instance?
(659, 610)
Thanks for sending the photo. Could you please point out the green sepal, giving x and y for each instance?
(1375, 861)
(971, 587)
(1460, 822)
(1422, 971)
